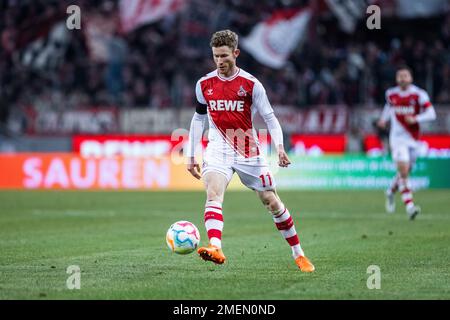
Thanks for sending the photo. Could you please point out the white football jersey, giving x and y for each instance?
(400, 104)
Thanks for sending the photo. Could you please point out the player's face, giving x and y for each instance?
(404, 78)
(225, 59)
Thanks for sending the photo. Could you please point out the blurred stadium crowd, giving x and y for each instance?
(157, 65)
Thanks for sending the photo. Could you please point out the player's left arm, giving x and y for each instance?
(261, 102)
(429, 114)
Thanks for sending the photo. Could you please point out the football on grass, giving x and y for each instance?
(182, 237)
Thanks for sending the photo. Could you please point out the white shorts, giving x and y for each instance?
(404, 153)
(255, 177)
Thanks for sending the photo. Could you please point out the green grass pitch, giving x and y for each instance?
(118, 241)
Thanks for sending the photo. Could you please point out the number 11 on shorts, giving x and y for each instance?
(264, 180)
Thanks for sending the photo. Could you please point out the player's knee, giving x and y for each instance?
(403, 169)
(214, 195)
(275, 205)
(270, 201)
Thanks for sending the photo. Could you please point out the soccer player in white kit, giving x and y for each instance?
(407, 106)
(229, 97)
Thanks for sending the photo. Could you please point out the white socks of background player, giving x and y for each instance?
(407, 196)
(285, 224)
(214, 222)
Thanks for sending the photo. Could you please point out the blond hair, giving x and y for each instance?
(224, 38)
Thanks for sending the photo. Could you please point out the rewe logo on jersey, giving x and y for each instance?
(404, 110)
(226, 105)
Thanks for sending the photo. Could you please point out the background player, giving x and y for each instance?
(406, 107)
(230, 97)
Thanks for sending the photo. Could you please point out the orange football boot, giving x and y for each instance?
(212, 253)
(304, 264)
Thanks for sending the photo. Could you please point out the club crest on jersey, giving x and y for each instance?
(242, 92)
(209, 92)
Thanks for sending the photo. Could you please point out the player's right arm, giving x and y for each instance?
(196, 132)
(385, 115)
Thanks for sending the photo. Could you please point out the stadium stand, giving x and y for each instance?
(155, 66)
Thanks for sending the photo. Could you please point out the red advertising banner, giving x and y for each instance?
(318, 144)
(127, 145)
(430, 145)
(318, 120)
(139, 145)
(372, 144)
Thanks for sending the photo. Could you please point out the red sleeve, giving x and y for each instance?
(427, 104)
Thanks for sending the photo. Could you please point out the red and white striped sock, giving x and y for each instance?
(405, 190)
(214, 222)
(285, 224)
